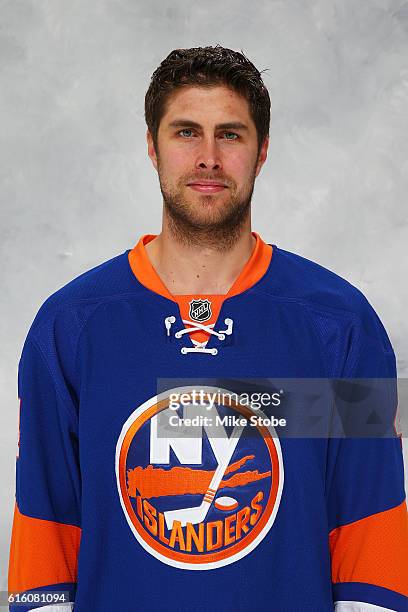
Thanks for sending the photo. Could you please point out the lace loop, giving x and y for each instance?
(199, 347)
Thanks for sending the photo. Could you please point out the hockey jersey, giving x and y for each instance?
(115, 511)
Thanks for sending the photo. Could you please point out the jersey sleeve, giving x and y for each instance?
(367, 511)
(46, 528)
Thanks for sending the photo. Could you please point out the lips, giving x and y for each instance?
(207, 186)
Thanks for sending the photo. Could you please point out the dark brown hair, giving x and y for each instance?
(207, 66)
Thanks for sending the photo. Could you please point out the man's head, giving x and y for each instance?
(207, 112)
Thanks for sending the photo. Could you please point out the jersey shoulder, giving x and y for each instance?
(294, 277)
(108, 280)
(327, 295)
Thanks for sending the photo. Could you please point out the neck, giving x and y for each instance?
(187, 267)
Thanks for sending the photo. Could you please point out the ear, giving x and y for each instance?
(151, 149)
(263, 153)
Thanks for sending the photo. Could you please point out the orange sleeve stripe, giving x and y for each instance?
(373, 550)
(41, 552)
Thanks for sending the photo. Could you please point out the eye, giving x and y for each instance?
(183, 132)
(231, 136)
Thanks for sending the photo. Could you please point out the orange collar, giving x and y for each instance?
(254, 269)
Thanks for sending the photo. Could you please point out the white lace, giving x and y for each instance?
(199, 347)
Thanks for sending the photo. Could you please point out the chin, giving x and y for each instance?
(208, 220)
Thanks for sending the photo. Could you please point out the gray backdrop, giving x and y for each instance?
(77, 187)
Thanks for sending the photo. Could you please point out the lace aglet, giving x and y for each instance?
(168, 321)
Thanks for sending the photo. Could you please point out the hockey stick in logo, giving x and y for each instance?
(197, 514)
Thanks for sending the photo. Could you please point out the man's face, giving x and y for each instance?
(207, 156)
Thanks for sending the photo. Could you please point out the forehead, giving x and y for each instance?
(205, 105)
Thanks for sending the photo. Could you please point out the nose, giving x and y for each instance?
(208, 157)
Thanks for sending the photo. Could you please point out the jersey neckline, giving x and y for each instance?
(252, 272)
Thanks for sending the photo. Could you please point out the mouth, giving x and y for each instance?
(207, 186)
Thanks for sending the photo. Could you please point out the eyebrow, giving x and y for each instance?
(232, 125)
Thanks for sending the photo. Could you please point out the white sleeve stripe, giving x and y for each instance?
(66, 607)
(358, 606)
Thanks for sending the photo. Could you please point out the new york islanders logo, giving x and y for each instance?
(204, 501)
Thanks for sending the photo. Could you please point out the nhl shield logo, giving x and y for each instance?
(200, 310)
(203, 502)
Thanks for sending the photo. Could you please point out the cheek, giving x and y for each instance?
(176, 162)
(238, 165)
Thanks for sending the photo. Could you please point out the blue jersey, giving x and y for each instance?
(115, 512)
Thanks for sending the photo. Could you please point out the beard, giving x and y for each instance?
(201, 220)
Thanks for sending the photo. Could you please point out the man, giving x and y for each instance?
(121, 512)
